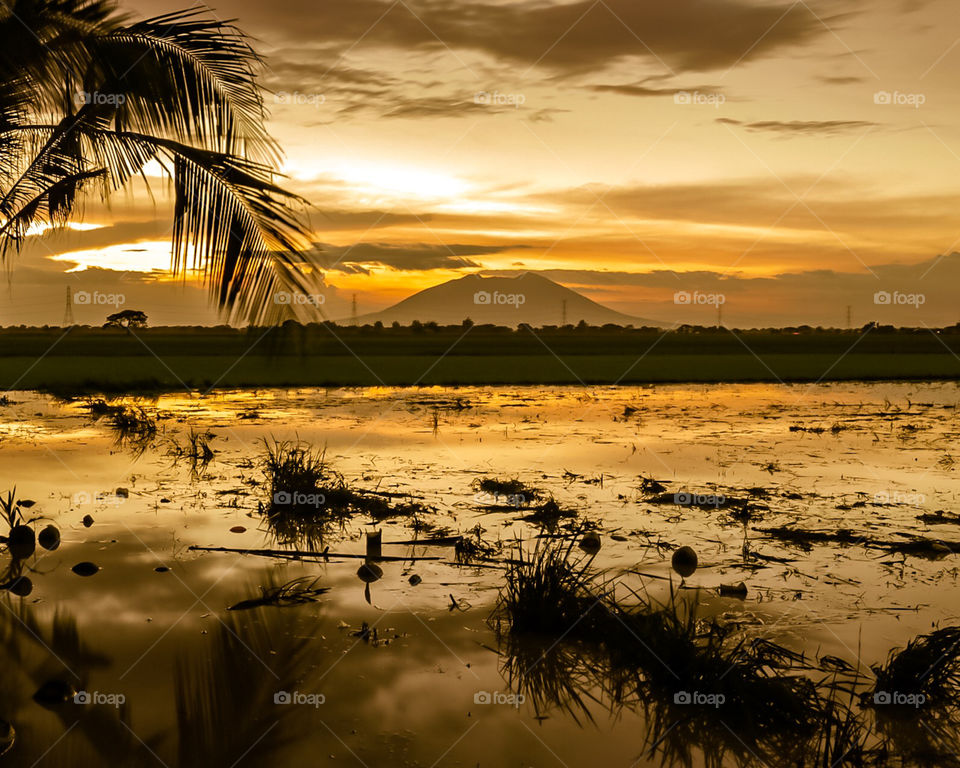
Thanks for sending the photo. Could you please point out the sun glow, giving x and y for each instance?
(144, 256)
(388, 183)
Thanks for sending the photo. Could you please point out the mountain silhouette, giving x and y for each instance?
(527, 298)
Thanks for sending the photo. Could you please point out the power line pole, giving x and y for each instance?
(849, 317)
(68, 311)
(353, 313)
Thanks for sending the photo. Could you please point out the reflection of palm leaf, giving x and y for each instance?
(225, 705)
(34, 653)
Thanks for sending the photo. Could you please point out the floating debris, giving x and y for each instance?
(85, 568)
(49, 538)
(684, 561)
(495, 493)
(294, 592)
(738, 590)
(590, 542)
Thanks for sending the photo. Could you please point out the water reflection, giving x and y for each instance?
(200, 646)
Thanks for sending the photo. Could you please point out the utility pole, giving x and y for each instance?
(68, 311)
(719, 315)
(353, 313)
(849, 317)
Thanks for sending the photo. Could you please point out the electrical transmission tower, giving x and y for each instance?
(68, 310)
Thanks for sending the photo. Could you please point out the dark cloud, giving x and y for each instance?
(841, 79)
(403, 257)
(576, 36)
(845, 204)
(801, 127)
(442, 107)
(643, 90)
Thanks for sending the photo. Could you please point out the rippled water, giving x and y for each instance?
(203, 685)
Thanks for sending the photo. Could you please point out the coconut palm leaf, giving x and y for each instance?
(179, 89)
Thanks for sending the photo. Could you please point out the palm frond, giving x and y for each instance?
(187, 77)
(180, 88)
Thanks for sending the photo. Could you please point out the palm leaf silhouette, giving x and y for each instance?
(179, 90)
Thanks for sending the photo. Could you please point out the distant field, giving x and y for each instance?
(163, 358)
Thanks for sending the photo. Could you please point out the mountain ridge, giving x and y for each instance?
(526, 298)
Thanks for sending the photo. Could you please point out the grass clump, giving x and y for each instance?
(196, 451)
(306, 495)
(928, 668)
(132, 426)
(548, 591)
(473, 547)
(506, 494)
(700, 685)
(915, 699)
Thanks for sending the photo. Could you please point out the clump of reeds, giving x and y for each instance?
(652, 655)
(915, 698)
(549, 514)
(472, 547)
(132, 426)
(307, 495)
(928, 668)
(548, 591)
(507, 493)
(196, 451)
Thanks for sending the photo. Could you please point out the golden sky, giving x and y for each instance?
(628, 149)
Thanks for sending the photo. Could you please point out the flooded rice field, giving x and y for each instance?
(671, 576)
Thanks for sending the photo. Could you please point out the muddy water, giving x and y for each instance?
(201, 685)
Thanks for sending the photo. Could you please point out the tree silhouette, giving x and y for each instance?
(127, 318)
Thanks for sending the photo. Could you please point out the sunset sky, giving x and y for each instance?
(796, 157)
